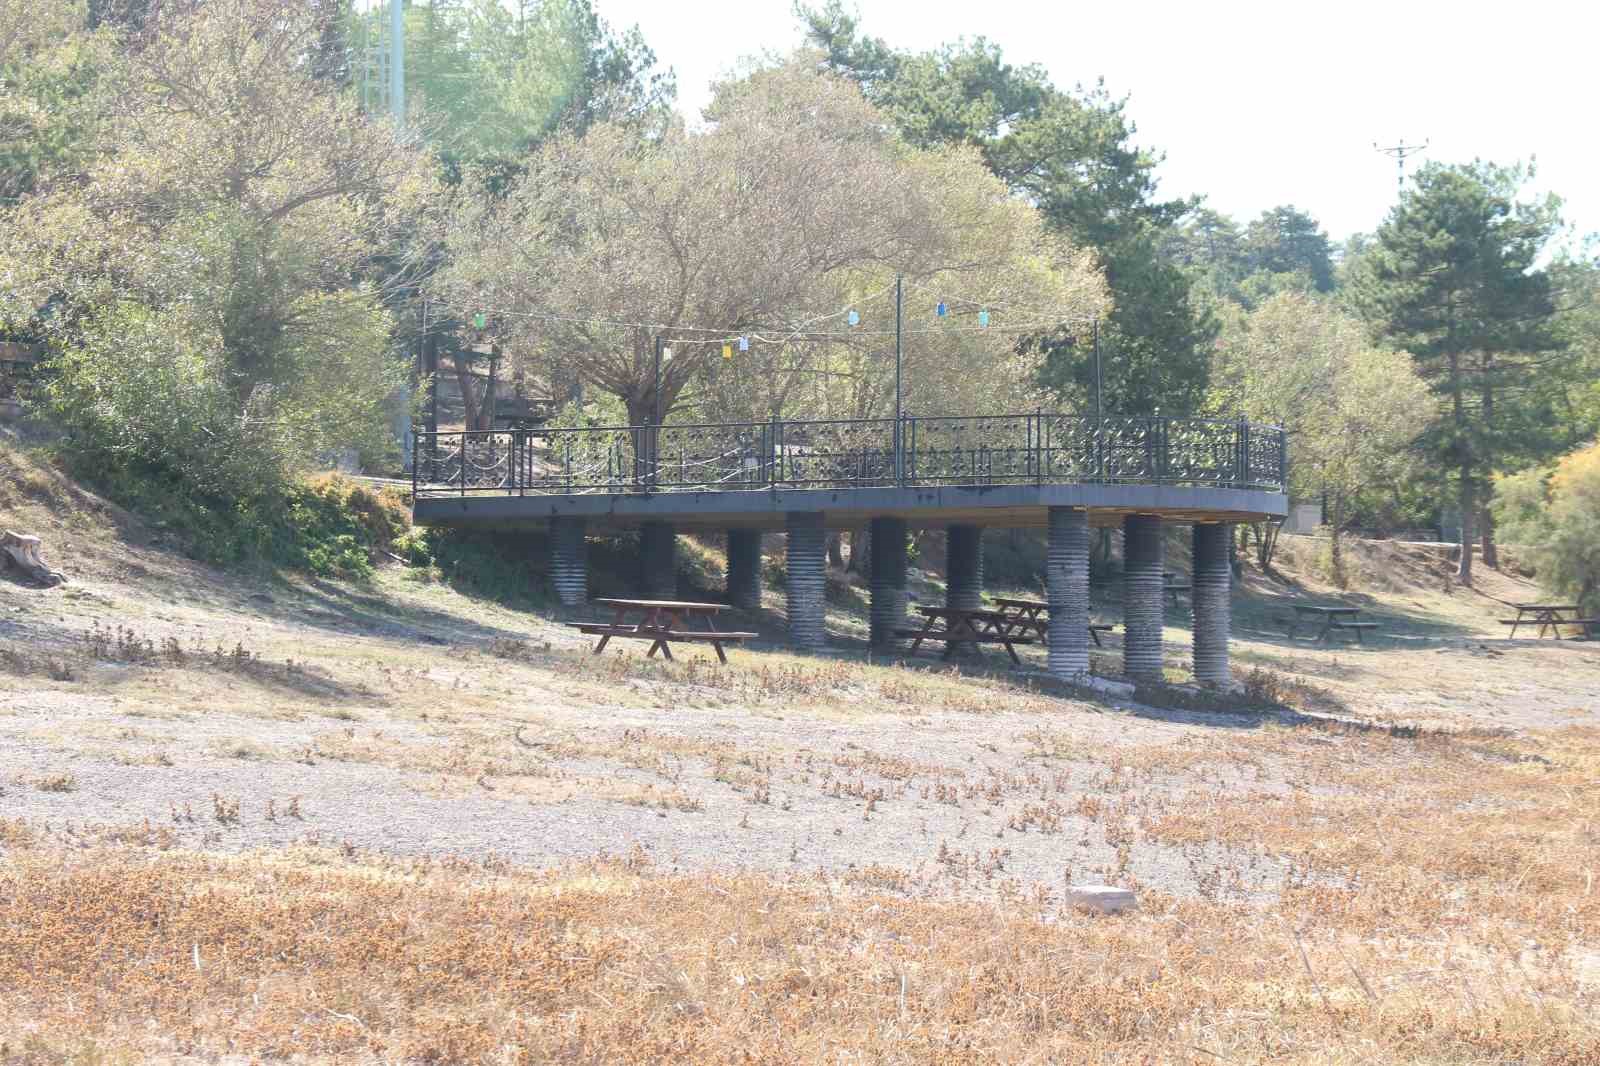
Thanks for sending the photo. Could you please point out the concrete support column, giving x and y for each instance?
(1210, 592)
(1067, 581)
(806, 582)
(569, 560)
(963, 566)
(658, 560)
(744, 568)
(1143, 596)
(887, 560)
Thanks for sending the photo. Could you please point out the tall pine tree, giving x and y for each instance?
(1454, 279)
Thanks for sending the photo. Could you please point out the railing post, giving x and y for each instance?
(896, 443)
(780, 460)
(1283, 460)
(463, 463)
(1242, 461)
(416, 461)
(908, 468)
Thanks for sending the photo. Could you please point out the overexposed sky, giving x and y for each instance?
(1255, 104)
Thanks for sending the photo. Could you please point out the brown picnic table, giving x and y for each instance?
(662, 622)
(1335, 619)
(1551, 616)
(961, 625)
(1034, 615)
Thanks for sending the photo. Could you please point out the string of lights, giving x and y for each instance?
(995, 319)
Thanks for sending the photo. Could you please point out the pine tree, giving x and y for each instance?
(1453, 279)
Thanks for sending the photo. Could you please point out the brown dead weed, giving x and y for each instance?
(1442, 906)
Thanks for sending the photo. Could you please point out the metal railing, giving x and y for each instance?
(1022, 449)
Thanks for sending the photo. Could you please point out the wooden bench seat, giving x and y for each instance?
(606, 628)
(1357, 627)
(661, 638)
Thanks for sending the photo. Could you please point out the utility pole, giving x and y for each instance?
(1401, 152)
(397, 61)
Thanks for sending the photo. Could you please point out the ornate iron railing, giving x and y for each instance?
(853, 453)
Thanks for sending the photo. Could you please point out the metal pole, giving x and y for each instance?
(655, 400)
(1099, 406)
(397, 62)
(899, 449)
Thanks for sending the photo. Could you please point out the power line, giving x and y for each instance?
(1401, 152)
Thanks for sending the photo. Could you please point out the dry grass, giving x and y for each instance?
(1440, 908)
(1312, 893)
(136, 952)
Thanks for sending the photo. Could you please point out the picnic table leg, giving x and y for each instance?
(711, 627)
(1327, 627)
(1094, 635)
(1009, 649)
(651, 620)
(966, 633)
(1294, 624)
(917, 643)
(617, 616)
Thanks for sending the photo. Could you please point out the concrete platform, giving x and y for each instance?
(999, 506)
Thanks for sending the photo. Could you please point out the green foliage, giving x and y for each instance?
(1299, 361)
(1072, 154)
(332, 526)
(489, 80)
(1453, 277)
(1553, 514)
(212, 283)
(505, 567)
(1285, 240)
(53, 85)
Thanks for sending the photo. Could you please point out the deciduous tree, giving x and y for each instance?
(1553, 514)
(795, 207)
(1353, 409)
(230, 220)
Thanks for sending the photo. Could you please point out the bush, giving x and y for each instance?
(1553, 514)
(508, 568)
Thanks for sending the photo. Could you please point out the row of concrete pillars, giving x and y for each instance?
(1067, 581)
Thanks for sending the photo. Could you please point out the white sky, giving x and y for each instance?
(1254, 103)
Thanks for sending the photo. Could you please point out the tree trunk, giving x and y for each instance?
(859, 550)
(1491, 555)
(1468, 513)
(469, 394)
(486, 410)
(836, 550)
(1335, 542)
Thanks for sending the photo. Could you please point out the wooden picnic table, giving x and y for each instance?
(1550, 616)
(963, 625)
(1334, 618)
(661, 622)
(1025, 615)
